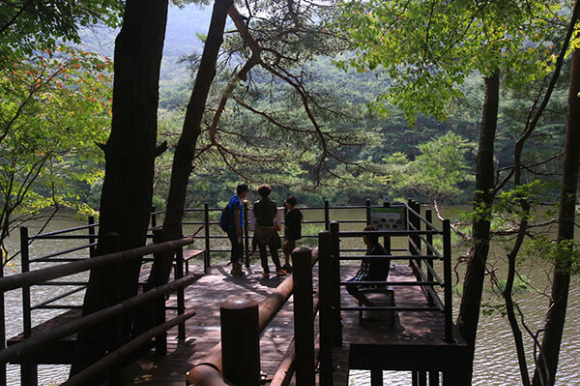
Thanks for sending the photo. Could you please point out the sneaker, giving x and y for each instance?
(287, 267)
(266, 275)
(237, 270)
(280, 272)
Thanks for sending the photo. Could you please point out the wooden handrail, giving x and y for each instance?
(122, 352)
(285, 371)
(19, 350)
(12, 282)
(209, 370)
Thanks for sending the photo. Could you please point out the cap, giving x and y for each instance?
(291, 200)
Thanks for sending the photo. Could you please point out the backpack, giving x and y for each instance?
(226, 219)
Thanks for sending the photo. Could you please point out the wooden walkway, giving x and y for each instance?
(203, 330)
(363, 344)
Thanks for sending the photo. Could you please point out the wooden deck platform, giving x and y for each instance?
(414, 342)
(414, 337)
(203, 330)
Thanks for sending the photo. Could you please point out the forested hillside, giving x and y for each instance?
(386, 161)
(389, 158)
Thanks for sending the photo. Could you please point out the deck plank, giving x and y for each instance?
(366, 345)
(203, 332)
(411, 332)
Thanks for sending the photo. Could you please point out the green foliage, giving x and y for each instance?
(490, 309)
(28, 25)
(520, 285)
(427, 49)
(54, 106)
(436, 173)
(564, 255)
(383, 149)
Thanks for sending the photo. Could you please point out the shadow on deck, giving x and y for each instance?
(412, 343)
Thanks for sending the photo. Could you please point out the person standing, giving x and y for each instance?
(293, 230)
(265, 211)
(234, 231)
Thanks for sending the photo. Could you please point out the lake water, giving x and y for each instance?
(495, 358)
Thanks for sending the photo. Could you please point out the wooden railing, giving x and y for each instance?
(421, 253)
(202, 225)
(27, 279)
(418, 231)
(237, 360)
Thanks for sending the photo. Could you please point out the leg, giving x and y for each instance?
(264, 258)
(234, 243)
(276, 261)
(352, 289)
(289, 246)
(254, 243)
(236, 254)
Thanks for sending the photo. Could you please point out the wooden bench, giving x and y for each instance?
(389, 301)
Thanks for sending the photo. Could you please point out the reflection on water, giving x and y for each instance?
(495, 361)
(48, 375)
(495, 357)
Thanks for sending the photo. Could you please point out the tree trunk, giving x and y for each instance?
(473, 283)
(547, 364)
(128, 187)
(185, 150)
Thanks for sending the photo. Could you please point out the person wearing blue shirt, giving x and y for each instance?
(236, 205)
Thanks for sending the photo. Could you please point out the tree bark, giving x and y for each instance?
(547, 364)
(128, 186)
(185, 150)
(469, 309)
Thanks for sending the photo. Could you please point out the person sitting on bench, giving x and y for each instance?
(373, 269)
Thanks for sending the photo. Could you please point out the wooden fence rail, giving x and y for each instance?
(37, 277)
(235, 360)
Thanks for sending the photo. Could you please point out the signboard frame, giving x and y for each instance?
(390, 218)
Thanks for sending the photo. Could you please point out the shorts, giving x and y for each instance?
(263, 233)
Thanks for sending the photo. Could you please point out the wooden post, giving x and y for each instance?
(433, 378)
(28, 371)
(447, 279)
(376, 377)
(159, 308)
(422, 377)
(368, 212)
(25, 267)
(414, 225)
(153, 218)
(92, 239)
(303, 316)
(428, 252)
(2, 323)
(206, 255)
(180, 292)
(325, 319)
(240, 334)
(387, 239)
(409, 227)
(326, 215)
(335, 277)
(417, 224)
